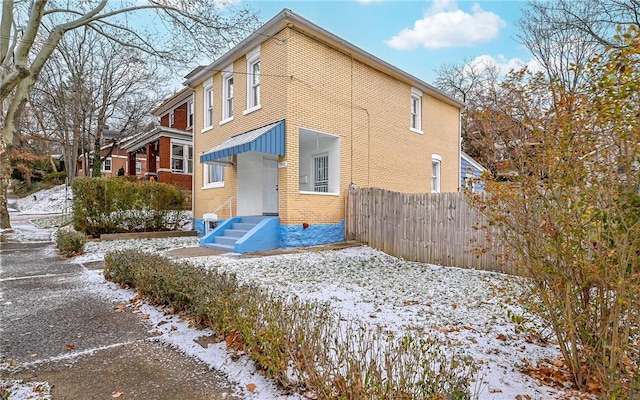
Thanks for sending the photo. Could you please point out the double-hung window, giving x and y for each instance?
(172, 119)
(181, 158)
(416, 110)
(190, 113)
(106, 165)
(138, 167)
(208, 105)
(213, 175)
(436, 164)
(253, 80)
(227, 95)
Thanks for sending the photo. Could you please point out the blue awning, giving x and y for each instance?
(267, 139)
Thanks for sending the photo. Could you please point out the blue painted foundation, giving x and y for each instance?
(198, 226)
(269, 234)
(298, 236)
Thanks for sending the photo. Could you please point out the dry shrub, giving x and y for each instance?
(569, 213)
(70, 243)
(301, 345)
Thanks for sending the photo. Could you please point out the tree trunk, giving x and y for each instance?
(5, 179)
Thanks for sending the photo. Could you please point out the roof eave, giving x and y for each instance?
(154, 135)
(287, 18)
(472, 161)
(178, 98)
(357, 53)
(270, 28)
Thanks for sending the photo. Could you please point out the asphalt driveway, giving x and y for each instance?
(54, 329)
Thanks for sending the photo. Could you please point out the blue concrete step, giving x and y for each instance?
(253, 219)
(242, 225)
(222, 247)
(233, 235)
(225, 240)
(238, 233)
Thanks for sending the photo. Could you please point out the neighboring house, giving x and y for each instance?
(289, 119)
(118, 158)
(168, 148)
(470, 172)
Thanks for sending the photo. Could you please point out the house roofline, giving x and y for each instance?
(155, 134)
(472, 161)
(173, 101)
(288, 19)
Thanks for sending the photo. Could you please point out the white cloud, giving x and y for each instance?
(504, 65)
(446, 25)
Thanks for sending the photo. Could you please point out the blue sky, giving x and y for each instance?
(418, 36)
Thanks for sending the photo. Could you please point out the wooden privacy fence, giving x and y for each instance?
(437, 228)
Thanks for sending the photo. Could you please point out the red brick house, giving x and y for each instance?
(167, 148)
(118, 158)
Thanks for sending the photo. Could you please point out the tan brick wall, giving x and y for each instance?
(274, 79)
(370, 111)
(314, 86)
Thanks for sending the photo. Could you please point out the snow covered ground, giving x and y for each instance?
(56, 200)
(478, 312)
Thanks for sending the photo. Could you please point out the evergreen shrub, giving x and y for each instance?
(106, 205)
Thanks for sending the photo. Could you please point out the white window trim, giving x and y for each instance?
(417, 95)
(208, 86)
(172, 119)
(186, 146)
(138, 167)
(227, 74)
(190, 113)
(311, 192)
(104, 165)
(319, 193)
(252, 57)
(205, 178)
(436, 158)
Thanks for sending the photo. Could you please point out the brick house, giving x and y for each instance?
(167, 148)
(291, 117)
(117, 158)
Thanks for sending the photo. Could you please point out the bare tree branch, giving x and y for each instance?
(6, 27)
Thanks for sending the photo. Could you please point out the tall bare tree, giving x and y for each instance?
(174, 31)
(101, 85)
(563, 35)
(484, 124)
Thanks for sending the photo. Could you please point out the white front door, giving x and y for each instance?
(270, 187)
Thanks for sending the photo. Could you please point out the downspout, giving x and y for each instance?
(193, 144)
(351, 118)
(458, 172)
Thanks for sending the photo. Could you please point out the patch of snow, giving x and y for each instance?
(478, 312)
(57, 200)
(24, 231)
(20, 390)
(96, 249)
(470, 309)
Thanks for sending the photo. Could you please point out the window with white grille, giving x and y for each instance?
(321, 173)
